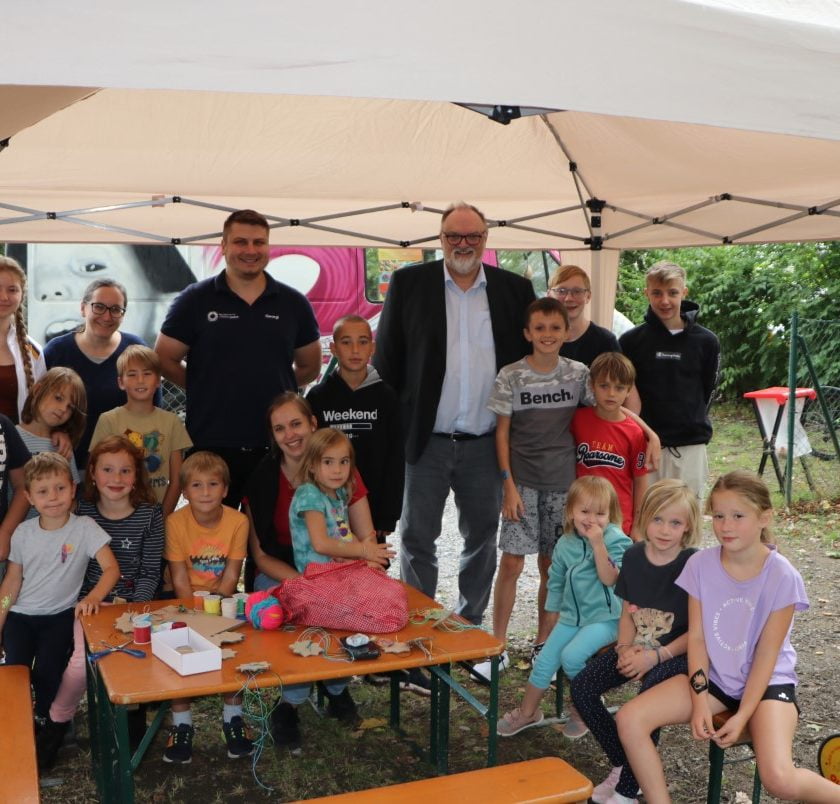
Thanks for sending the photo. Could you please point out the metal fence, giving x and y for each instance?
(812, 468)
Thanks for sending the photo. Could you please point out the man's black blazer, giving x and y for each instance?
(411, 339)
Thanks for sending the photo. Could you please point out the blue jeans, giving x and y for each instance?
(569, 646)
(469, 468)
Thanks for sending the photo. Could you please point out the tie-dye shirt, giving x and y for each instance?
(309, 497)
(205, 551)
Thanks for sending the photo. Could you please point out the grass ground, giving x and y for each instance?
(335, 759)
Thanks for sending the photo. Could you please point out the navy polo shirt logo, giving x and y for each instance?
(213, 315)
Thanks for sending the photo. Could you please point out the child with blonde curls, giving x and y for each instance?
(584, 568)
(742, 595)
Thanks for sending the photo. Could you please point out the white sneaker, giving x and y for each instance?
(481, 671)
(602, 793)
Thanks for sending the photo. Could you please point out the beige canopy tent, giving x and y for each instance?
(667, 122)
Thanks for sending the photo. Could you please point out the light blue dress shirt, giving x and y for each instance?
(470, 360)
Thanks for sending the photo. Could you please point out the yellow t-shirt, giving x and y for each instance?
(205, 551)
(158, 434)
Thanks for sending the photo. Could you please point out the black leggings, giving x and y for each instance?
(45, 640)
(600, 675)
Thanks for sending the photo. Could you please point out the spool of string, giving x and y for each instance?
(264, 611)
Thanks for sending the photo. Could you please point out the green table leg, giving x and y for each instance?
(125, 778)
(493, 713)
(395, 700)
(443, 722)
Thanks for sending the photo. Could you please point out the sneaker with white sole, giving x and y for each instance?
(535, 651)
(574, 728)
(481, 671)
(179, 746)
(601, 794)
(416, 681)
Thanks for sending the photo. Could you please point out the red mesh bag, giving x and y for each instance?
(345, 597)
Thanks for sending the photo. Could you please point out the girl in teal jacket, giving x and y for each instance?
(584, 569)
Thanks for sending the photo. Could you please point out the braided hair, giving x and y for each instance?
(13, 267)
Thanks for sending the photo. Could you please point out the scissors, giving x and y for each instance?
(137, 654)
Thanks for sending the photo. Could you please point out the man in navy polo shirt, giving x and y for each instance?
(246, 338)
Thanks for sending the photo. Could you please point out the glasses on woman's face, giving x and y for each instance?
(472, 239)
(561, 293)
(114, 309)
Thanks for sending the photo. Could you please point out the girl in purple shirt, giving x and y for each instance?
(742, 596)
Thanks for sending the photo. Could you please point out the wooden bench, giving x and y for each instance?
(548, 779)
(18, 766)
(717, 761)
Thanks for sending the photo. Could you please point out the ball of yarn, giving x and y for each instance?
(264, 611)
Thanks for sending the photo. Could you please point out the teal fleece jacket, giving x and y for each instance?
(574, 588)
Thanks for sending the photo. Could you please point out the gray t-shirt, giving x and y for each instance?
(54, 562)
(541, 406)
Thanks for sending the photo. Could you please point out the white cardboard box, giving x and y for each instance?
(204, 658)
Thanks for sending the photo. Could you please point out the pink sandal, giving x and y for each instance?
(513, 722)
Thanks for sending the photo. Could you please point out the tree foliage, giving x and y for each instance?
(747, 295)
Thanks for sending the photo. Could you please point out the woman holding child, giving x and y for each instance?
(268, 498)
(92, 353)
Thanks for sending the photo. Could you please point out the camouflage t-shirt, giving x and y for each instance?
(541, 406)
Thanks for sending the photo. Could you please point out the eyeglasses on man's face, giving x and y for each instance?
(561, 293)
(454, 239)
(114, 309)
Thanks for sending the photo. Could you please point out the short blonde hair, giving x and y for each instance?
(140, 355)
(566, 272)
(44, 464)
(204, 462)
(664, 272)
(667, 492)
(597, 489)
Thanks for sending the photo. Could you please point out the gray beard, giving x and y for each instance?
(463, 266)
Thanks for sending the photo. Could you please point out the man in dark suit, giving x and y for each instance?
(446, 329)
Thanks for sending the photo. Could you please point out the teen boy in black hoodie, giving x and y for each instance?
(676, 362)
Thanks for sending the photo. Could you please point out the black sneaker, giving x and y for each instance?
(416, 681)
(179, 746)
(285, 726)
(535, 651)
(238, 744)
(342, 707)
(48, 742)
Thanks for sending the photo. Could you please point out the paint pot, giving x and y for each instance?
(142, 625)
(213, 604)
(198, 600)
(229, 607)
(178, 624)
(241, 599)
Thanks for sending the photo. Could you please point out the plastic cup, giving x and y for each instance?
(229, 607)
(213, 604)
(198, 600)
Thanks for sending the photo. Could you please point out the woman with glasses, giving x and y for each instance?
(585, 340)
(92, 352)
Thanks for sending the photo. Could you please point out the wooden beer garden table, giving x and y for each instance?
(118, 680)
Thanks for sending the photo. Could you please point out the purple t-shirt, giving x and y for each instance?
(735, 612)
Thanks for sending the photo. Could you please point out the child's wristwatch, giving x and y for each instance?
(505, 474)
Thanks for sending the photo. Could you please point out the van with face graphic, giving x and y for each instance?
(337, 281)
